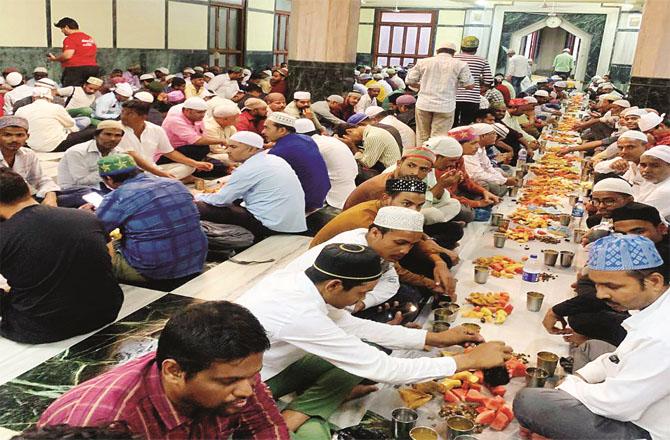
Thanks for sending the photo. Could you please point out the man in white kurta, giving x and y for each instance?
(632, 144)
(655, 170)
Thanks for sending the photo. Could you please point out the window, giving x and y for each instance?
(226, 33)
(403, 37)
(280, 49)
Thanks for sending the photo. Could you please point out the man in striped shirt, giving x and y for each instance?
(467, 100)
(202, 383)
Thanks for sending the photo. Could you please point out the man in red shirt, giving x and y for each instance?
(203, 382)
(78, 57)
(253, 116)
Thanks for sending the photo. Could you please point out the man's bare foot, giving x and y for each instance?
(360, 391)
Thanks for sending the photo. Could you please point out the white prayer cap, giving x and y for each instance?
(609, 97)
(556, 78)
(209, 75)
(561, 84)
(268, 72)
(444, 146)
(566, 50)
(144, 97)
(282, 118)
(357, 73)
(124, 89)
(198, 69)
(304, 125)
(634, 134)
(41, 92)
(373, 111)
(163, 70)
(302, 95)
(660, 152)
(335, 98)
(169, 77)
(542, 93)
(649, 121)
(553, 94)
(188, 70)
(501, 130)
(399, 219)
(40, 70)
(248, 138)
(195, 103)
(377, 76)
(226, 109)
(448, 45)
(14, 78)
(481, 128)
(622, 103)
(613, 184)
(147, 77)
(94, 80)
(627, 111)
(531, 100)
(46, 82)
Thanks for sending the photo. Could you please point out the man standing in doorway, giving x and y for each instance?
(517, 69)
(438, 78)
(79, 52)
(563, 64)
(467, 100)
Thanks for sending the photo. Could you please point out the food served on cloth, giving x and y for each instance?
(521, 234)
(489, 307)
(414, 398)
(501, 266)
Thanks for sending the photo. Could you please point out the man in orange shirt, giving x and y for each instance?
(79, 54)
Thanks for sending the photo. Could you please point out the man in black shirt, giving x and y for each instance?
(56, 263)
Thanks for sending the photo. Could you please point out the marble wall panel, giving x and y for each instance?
(322, 79)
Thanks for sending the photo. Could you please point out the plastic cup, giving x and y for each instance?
(566, 258)
(499, 239)
(458, 425)
(423, 433)
(536, 377)
(547, 361)
(481, 274)
(534, 301)
(404, 419)
(550, 257)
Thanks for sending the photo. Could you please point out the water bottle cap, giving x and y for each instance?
(533, 256)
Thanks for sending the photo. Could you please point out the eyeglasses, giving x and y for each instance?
(606, 202)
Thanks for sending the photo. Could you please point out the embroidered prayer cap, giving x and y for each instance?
(115, 125)
(470, 42)
(501, 130)
(618, 252)
(144, 97)
(421, 153)
(480, 128)
(195, 103)
(145, 77)
(188, 70)
(116, 164)
(124, 89)
(373, 111)
(660, 152)
(302, 95)
(357, 118)
(634, 134)
(335, 98)
(248, 138)
(348, 261)
(445, 146)
(199, 69)
(405, 100)
(542, 93)
(650, 121)
(637, 211)
(613, 184)
(399, 219)
(541, 81)
(14, 79)
(13, 121)
(163, 70)
(406, 184)
(225, 109)
(175, 96)
(622, 103)
(282, 118)
(46, 83)
(609, 97)
(517, 102)
(40, 70)
(304, 125)
(254, 104)
(463, 134)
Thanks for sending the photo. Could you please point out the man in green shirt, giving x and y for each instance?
(563, 64)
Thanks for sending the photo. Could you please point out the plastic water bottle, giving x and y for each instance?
(578, 212)
(532, 270)
(522, 158)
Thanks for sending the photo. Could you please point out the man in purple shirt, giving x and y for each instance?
(302, 153)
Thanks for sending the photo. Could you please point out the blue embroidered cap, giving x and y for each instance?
(356, 118)
(623, 252)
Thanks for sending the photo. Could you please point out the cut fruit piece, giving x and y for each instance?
(475, 396)
(500, 390)
(486, 417)
(460, 393)
(449, 396)
(507, 411)
(500, 422)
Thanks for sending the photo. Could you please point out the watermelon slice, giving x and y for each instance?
(480, 375)
(481, 408)
(494, 403)
(449, 396)
(475, 386)
(460, 393)
(500, 390)
(508, 308)
(486, 418)
(475, 396)
(507, 411)
(500, 422)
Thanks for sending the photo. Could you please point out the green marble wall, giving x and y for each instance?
(22, 400)
(257, 60)
(593, 24)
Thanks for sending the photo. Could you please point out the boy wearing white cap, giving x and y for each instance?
(438, 78)
(301, 107)
(479, 166)
(274, 201)
(108, 106)
(654, 167)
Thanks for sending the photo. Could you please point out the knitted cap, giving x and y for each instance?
(399, 218)
(421, 153)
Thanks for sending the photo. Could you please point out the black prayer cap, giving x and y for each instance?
(406, 184)
(349, 261)
(637, 211)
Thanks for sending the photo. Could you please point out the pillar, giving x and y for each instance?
(322, 46)
(650, 77)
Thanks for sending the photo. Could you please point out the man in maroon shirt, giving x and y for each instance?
(253, 116)
(203, 382)
(79, 51)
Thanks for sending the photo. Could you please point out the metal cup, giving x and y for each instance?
(472, 327)
(534, 301)
(459, 425)
(453, 307)
(495, 218)
(577, 235)
(499, 239)
(404, 419)
(504, 225)
(565, 219)
(547, 361)
(466, 437)
(481, 274)
(519, 174)
(572, 199)
(550, 257)
(443, 315)
(566, 258)
(512, 191)
(199, 184)
(536, 377)
(423, 433)
(440, 326)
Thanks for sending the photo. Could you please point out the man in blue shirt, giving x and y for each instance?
(160, 226)
(302, 153)
(274, 201)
